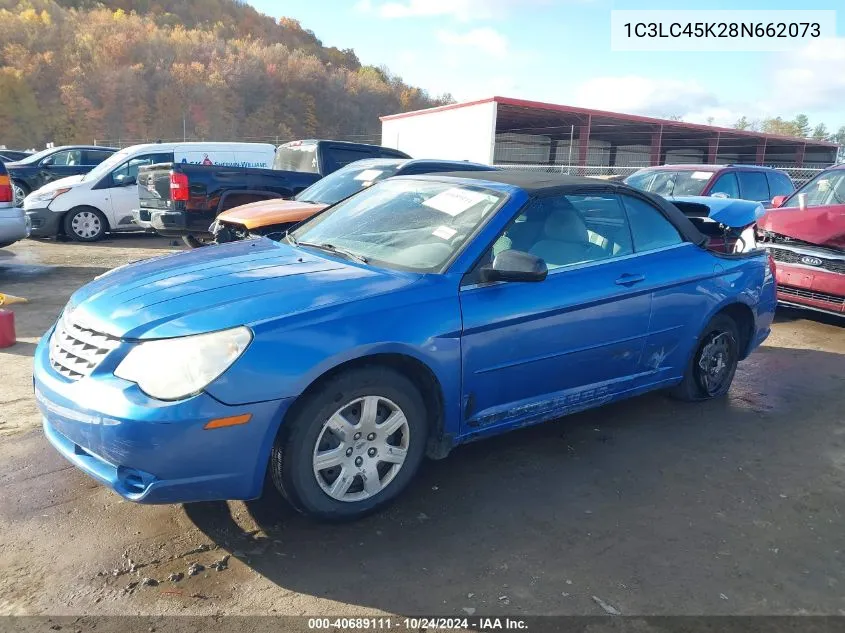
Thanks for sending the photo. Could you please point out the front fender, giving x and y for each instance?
(422, 322)
(73, 199)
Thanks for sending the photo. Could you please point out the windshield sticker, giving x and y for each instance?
(455, 201)
(369, 175)
(701, 175)
(444, 232)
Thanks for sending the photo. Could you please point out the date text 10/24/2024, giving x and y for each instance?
(417, 624)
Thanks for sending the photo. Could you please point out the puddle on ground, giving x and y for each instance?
(17, 271)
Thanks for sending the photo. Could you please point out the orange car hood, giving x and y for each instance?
(256, 215)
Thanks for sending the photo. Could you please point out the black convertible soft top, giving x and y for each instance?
(538, 185)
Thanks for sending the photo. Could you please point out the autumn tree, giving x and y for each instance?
(134, 70)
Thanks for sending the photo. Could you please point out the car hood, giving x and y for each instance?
(217, 287)
(823, 226)
(268, 212)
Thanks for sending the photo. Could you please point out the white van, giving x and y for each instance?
(85, 207)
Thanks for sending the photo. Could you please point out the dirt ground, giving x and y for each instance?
(647, 507)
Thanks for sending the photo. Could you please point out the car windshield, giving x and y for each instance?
(404, 224)
(107, 165)
(826, 188)
(297, 157)
(665, 182)
(348, 180)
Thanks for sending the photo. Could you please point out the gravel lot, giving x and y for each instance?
(649, 506)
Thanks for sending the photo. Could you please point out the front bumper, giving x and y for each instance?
(44, 222)
(815, 289)
(151, 451)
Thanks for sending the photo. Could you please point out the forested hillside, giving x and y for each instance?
(78, 70)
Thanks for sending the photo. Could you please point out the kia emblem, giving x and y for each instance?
(811, 261)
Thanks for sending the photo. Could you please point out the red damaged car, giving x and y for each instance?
(805, 235)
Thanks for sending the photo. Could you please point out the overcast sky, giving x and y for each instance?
(559, 51)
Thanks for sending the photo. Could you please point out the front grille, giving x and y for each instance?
(791, 257)
(77, 351)
(809, 294)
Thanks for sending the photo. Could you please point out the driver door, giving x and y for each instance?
(122, 192)
(533, 351)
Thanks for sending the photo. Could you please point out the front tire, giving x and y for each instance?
(85, 224)
(712, 368)
(352, 446)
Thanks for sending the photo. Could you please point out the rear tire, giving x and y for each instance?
(19, 192)
(712, 367)
(85, 224)
(352, 446)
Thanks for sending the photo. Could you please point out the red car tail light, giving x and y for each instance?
(6, 194)
(179, 187)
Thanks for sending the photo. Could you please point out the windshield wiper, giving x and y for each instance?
(331, 248)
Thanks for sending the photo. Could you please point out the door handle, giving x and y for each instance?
(629, 280)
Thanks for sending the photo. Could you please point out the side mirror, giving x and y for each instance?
(124, 180)
(47, 162)
(514, 265)
(777, 201)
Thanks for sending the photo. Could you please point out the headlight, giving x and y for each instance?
(48, 195)
(172, 369)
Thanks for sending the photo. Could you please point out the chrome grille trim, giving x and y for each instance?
(793, 256)
(76, 351)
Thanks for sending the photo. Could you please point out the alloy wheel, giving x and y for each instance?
(19, 194)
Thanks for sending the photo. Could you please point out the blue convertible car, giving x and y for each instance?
(420, 314)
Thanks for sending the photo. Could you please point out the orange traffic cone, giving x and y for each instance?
(7, 300)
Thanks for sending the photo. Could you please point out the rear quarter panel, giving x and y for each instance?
(735, 279)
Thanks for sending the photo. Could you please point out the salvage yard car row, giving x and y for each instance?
(219, 192)
(421, 313)
(356, 316)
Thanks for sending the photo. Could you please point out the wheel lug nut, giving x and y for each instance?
(359, 461)
(357, 436)
(371, 436)
(349, 451)
(371, 452)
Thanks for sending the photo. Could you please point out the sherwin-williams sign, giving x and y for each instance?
(253, 159)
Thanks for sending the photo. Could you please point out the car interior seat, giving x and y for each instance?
(565, 239)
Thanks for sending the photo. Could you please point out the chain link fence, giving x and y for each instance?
(120, 143)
